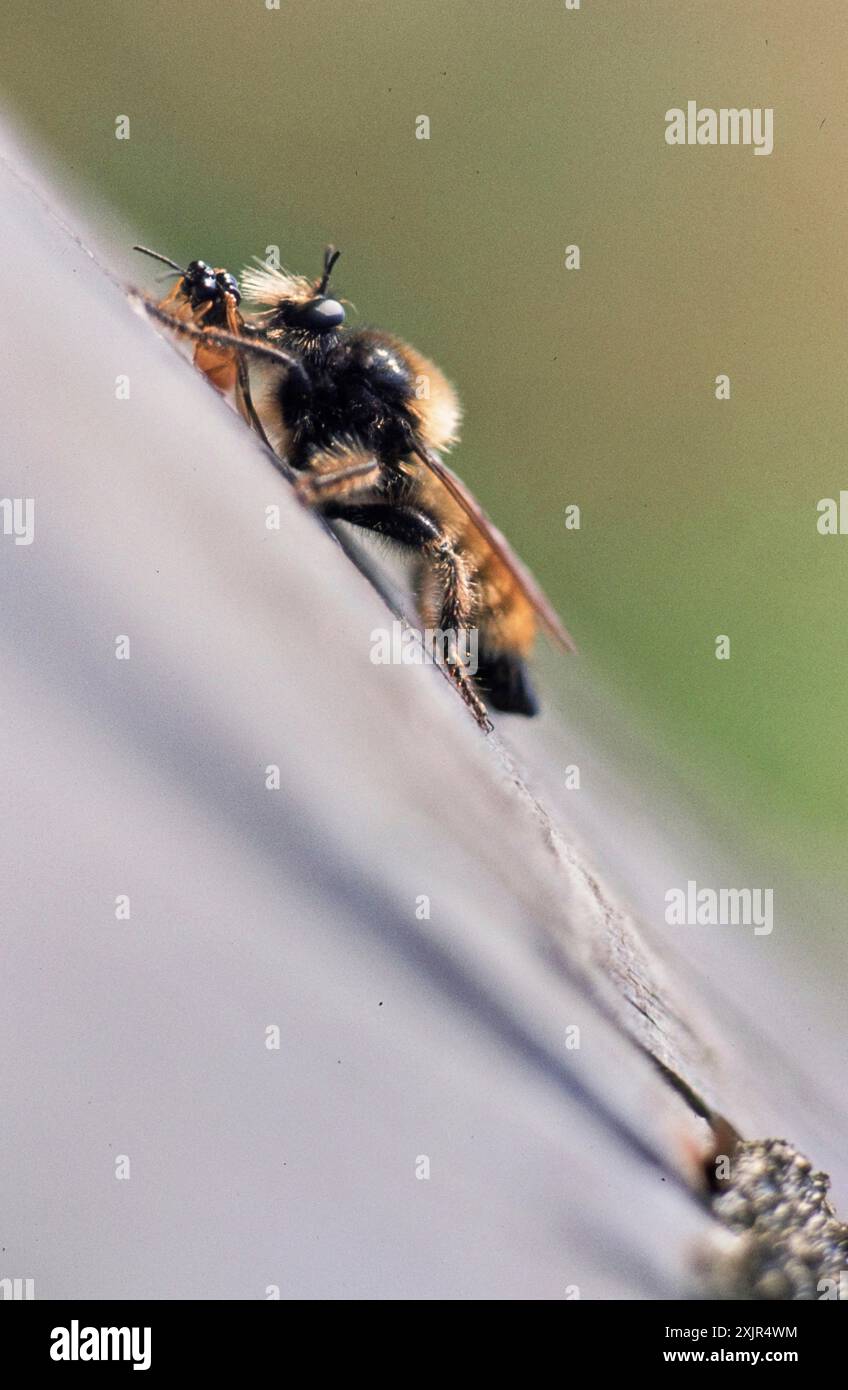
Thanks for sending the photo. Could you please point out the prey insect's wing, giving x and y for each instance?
(499, 544)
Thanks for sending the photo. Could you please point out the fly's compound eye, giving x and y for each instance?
(320, 315)
(228, 284)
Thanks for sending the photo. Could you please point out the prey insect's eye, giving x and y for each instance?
(228, 284)
(201, 282)
(319, 315)
(204, 289)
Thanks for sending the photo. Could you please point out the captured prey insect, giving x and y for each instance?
(210, 298)
(345, 410)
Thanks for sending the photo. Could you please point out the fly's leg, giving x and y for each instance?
(333, 474)
(417, 531)
(455, 586)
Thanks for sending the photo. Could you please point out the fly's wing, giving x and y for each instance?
(500, 545)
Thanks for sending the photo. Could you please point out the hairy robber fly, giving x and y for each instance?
(341, 407)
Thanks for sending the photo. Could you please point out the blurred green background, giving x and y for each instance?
(252, 126)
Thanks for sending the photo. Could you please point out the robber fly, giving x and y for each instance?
(343, 409)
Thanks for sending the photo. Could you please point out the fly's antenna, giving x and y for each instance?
(166, 260)
(331, 255)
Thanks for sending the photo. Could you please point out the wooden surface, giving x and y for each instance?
(550, 1168)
